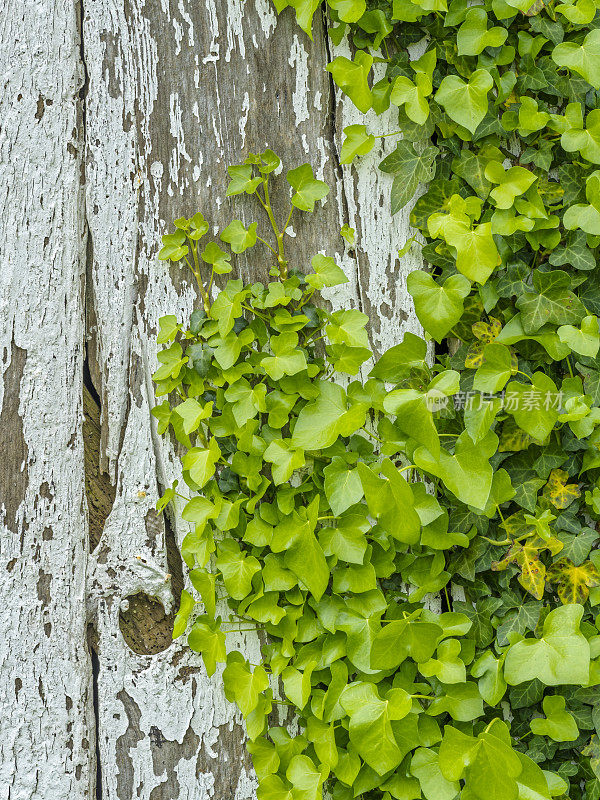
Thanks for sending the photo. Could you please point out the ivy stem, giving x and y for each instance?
(503, 543)
(372, 435)
(448, 603)
(283, 271)
(525, 375)
(410, 466)
(267, 245)
(568, 360)
(196, 274)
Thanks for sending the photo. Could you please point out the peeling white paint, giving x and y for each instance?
(299, 59)
(46, 725)
(244, 118)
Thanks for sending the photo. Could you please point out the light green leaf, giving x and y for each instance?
(511, 183)
(584, 340)
(560, 656)
(219, 259)
(559, 725)
(237, 569)
(413, 410)
(473, 35)
(192, 413)
(492, 685)
(186, 606)
(321, 422)
(496, 369)
(242, 180)
(580, 138)
(200, 462)
(327, 273)
(466, 103)
(357, 143)
(209, 640)
(348, 327)
(307, 188)
(348, 10)
(534, 406)
(426, 767)
(413, 96)
(284, 460)
(306, 778)
(584, 59)
(467, 473)
(242, 685)
(238, 237)
(371, 717)
(398, 360)
(438, 308)
(343, 487)
(390, 500)
(403, 638)
(352, 78)
(488, 764)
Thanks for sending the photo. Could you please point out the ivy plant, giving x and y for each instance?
(498, 120)
(329, 496)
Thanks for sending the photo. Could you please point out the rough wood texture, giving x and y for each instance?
(175, 91)
(46, 727)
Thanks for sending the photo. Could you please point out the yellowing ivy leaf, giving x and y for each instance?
(560, 493)
(573, 582)
(487, 331)
(533, 571)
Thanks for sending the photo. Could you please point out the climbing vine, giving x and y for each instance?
(324, 516)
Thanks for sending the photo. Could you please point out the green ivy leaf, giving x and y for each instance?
(186, 606)
(238, 237)
(466, 102)
(559, 725)
(206, 638)
(551, 302)
(357, 143)
(371, 718)
(438, 308)
(237, 569)
(242, 180)
(584, 59)
(467, 473)
(343, 487)
(352, 78)
(473, 35)
(584, 340)
(307, 189)
(327, 273)
(243, 685)
(425, 766)
(217, 258)
(412, 95)
(410, 168)
(560, 656)
(488, 764)
(534, 406)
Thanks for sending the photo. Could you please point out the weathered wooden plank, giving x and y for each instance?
(176, 92)
(46, 727)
